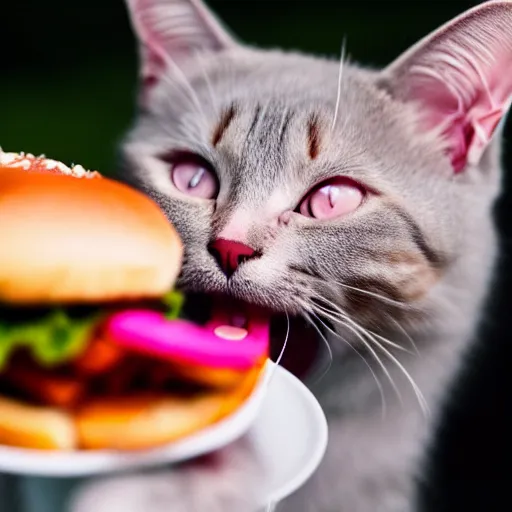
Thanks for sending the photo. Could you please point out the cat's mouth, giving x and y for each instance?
(293, 341)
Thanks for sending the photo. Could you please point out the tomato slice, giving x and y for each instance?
(100, 357)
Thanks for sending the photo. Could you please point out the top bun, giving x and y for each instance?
(69, 240)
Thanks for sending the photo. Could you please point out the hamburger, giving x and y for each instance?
(94, 350)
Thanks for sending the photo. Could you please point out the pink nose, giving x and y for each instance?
(229, 254)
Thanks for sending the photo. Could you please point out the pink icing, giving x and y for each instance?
(151, 333)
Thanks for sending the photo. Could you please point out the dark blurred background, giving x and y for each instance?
(67, 88)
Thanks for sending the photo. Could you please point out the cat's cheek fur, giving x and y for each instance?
(231, 480)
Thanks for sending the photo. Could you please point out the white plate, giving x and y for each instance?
(283, 421)
(289, 434)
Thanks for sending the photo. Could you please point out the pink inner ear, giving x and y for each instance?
(171, 31)
(152, 64)
(460, 78)
(149, 81)
(469, 116)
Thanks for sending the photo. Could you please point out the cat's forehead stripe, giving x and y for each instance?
(313, 137)
(254, 123)
(285, 122)
(225, 120)
(416, 234)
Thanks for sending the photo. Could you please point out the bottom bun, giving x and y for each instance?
(41, 428)
(134, 423)
(143, 422)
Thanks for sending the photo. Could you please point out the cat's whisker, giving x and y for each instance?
(360, 336)
(280, 357)
(281, 354)
(344, 316)
(340, 79)
(360, 331)
(386, 341)
(375, 295)
(419, 395)
(334, 333)
(406, 334)
(373, 337)
(324, 339)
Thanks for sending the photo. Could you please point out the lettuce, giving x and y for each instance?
(52, 339)
(57, 337)
(174, 303)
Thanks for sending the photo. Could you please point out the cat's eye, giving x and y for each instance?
(194, 177)
(332, 199)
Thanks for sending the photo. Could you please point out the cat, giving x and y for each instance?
(357, 198)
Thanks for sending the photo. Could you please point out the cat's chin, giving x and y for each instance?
(293, 342)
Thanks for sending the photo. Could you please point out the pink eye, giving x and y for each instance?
(194, 178)
(332, 199)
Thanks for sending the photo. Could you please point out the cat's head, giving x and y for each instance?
(319, 188)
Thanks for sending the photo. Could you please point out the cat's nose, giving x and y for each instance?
(229, 254)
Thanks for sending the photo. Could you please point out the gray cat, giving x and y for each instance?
(358, 199)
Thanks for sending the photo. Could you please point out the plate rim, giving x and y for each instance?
(305, 473)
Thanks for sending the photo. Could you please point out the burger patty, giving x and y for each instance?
(74, 383)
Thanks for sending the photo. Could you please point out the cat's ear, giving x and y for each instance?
(461, 78)
(171, 31)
